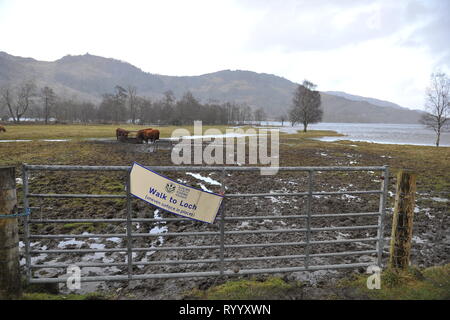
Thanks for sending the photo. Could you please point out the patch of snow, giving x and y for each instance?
(70, 242)
(202, 186)
(416, 239)
(437, 199)
(114, 239)
(348, 197)
(342, 236)
(98, 246)
(244, 224)
(205, 179)
(158, 230)
(426, 211)
(156, 215)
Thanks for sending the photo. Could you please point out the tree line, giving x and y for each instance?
(122, 105)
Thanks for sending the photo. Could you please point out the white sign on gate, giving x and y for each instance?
(172, 196)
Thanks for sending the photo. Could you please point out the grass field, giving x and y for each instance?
(432, 164)
(74, 131)
(414, 284)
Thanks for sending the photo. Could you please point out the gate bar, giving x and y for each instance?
(26, 220)
(129, 231)
(222, 226)
(194, 168)
(230, 246)
(207, 233)
(325, 215)
(231, 195)
(163, 262)
(308, 217)
(203, 274)
(383, 197)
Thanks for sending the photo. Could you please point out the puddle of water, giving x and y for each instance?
(99, 139)
(16, 140)
(225, 135)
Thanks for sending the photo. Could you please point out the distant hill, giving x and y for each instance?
(338, 109)
(374, 101)
(88, 77)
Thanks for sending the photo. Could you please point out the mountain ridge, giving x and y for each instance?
(89, 76)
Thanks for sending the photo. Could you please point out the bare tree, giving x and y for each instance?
(306, 105)
(259, 115)
(7, 99)
(19, 103)
(48, 100)
(283, 119)
(132, 102)
(437, 104)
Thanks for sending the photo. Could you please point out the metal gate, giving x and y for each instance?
(216, 266)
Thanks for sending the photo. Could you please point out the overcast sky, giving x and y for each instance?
(381, 49)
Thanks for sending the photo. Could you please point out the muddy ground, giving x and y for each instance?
(431, 241)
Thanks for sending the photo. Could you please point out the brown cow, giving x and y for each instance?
(148, 134)
(121, 133)
(154, 136)
(140, 134)
(2, 128)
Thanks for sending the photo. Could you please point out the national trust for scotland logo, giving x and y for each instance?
(170, 187)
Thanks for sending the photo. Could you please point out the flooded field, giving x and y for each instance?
(410, 134)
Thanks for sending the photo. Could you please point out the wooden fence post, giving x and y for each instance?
(10, 282)
(402, 220)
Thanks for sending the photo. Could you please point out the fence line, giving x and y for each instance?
(222, 219)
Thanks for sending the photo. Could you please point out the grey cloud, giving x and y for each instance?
(434, 34)
(307, 25)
